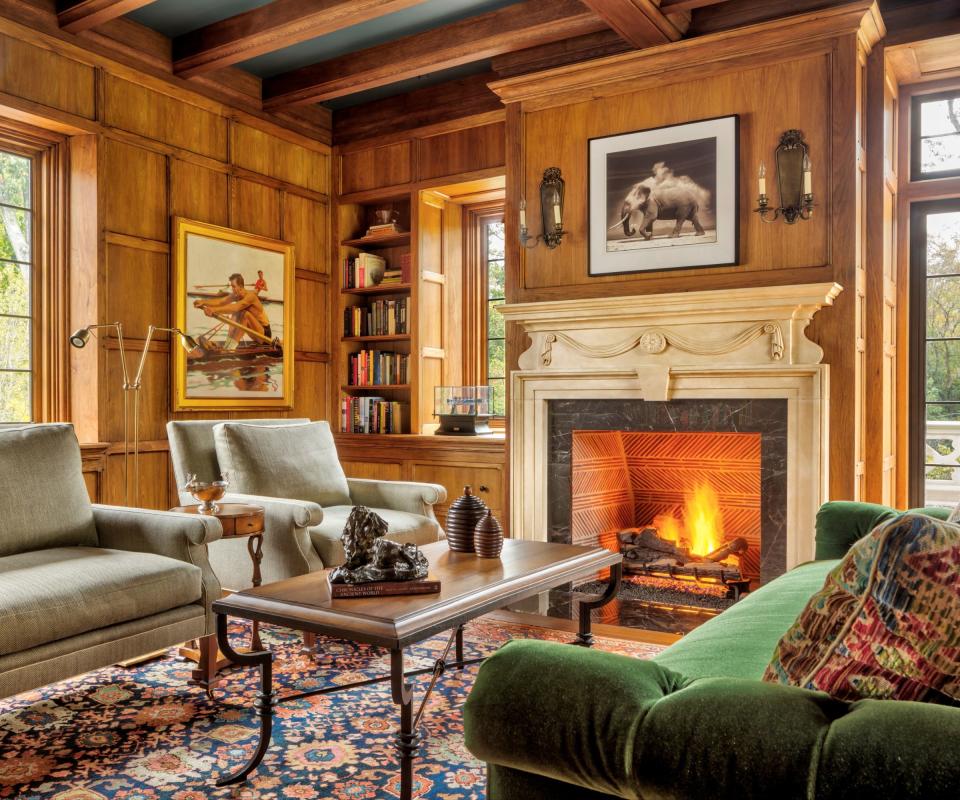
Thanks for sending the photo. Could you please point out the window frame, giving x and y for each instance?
(916, 139)
(476, 291)
(917, 422)
(50, 290)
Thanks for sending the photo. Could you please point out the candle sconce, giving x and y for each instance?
(794, 181)
(551, 212)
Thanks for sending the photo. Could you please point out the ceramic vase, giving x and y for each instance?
(462, 518)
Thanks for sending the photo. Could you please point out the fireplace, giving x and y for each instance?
(692, 492)
(678, 506)
(661, 396)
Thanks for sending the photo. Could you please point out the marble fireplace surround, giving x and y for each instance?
(718, 344)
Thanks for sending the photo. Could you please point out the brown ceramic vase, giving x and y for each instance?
(488, 537)
(462, 518)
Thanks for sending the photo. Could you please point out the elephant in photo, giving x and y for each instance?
(673, 200)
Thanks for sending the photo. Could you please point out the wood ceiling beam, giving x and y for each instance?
(442, 102)
(559, 54)
(641, 23)
(920, 21)
(272, 27)
(672, 6)
(737, 13)
(75, 16)
(515, 27)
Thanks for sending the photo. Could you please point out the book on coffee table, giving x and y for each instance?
(384, 588)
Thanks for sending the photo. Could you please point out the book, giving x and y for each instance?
(384, 588)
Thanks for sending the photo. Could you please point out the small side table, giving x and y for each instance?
(237, 520)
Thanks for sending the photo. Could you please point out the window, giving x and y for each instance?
(935, 146)
(935, 294)
(16, 287)
(495, 374)
(484, 341)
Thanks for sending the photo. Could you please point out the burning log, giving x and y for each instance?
(734, 546)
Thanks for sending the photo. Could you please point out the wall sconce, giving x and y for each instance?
(794, 181)
(551, 211)
(79, 339)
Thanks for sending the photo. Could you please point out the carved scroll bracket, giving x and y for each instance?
(654, 341)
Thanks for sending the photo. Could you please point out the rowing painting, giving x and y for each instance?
(234, 296)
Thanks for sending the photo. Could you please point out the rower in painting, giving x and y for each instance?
(246, 313)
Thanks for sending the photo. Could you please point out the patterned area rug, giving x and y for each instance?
(143, 734)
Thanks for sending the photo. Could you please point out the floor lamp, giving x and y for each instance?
(78, 339)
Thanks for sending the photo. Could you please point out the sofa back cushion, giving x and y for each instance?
(886, 623)
(293, 461)
(43, 497)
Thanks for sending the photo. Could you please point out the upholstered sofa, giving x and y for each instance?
(300, 536)
(559, 722)
(83, 586)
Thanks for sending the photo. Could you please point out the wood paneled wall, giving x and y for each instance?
(804, 72)
(466, 148)
(142, 151)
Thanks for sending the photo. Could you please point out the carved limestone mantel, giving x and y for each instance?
(732, 343)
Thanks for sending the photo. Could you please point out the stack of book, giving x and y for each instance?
(378, 368)
(364, 271)
(383, 231)
(392, 276)
(380, 318)
(371, 415)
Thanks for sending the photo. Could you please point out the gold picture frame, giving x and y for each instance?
(234, 298)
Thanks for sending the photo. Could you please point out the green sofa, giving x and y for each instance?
(559, 722)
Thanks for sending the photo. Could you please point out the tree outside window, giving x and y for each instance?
(16, 305)
(493, 258)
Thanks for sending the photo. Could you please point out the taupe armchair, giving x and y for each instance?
(83, 586)
(300, 536)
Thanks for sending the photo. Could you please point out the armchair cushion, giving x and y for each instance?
(403, 527)
(293, 461)
(43, 498)
(52, 594)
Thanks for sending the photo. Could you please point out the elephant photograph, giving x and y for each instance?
(667, 199)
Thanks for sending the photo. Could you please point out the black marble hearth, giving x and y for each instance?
(766, 417)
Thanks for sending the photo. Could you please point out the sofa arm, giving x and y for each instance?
(632, 728)
(841, 523)
(415, 498)
(181, 536)
(287, 548)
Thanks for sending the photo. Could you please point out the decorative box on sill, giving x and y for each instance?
(462, 410)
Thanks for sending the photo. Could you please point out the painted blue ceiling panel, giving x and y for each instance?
(175, 17)
(431, 14)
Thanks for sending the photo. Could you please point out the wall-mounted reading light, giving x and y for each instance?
(794, 181)
(551, 211)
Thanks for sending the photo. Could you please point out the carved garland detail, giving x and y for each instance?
(656, 340)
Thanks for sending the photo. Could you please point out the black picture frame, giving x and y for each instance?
(688, 145)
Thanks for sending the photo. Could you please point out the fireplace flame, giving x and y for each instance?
(703, 520)
(702, 526)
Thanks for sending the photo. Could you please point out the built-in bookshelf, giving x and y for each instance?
(375, 317)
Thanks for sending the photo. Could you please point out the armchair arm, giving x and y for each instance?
(629, 728)
(287, 548)
(181, 536)
(414, 498)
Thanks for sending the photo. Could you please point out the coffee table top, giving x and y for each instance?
(471, 587)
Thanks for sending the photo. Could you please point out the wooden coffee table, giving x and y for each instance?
(472, 587)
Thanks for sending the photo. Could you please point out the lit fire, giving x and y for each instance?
(702, 526)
